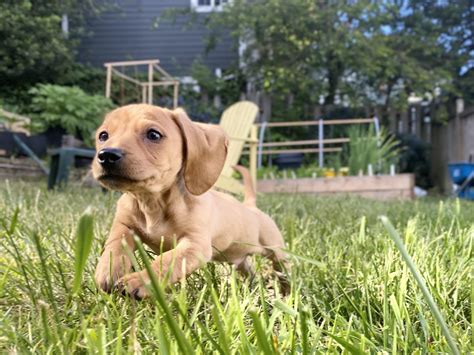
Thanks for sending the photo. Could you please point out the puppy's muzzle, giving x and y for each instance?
(109, 157)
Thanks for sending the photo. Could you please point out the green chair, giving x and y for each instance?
(61, 161)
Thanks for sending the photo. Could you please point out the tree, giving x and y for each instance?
(403, 55)
(298, 46)
(455, 22)
(370, 54)
(33, 47)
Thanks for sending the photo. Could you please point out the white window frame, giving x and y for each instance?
(207, 8)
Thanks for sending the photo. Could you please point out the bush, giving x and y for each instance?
(415, 158)
(88, 78)
(69, 108)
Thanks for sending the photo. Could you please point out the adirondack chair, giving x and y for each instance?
(238, 122)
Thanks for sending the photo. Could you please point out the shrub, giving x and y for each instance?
(415, 158)
(69, 108)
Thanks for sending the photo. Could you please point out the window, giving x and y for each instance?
(208, 5)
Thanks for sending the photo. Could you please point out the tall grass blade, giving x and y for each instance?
(183, 343)
(260, 332)
(421, 282)
(14, 221)
(84, 235)
(346, 345)
(304, 332)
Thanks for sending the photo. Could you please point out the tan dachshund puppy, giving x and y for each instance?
(166, 165)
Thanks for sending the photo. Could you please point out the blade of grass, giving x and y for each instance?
(260, 332)
(304, 332)
(420, 281)
(160, 298)
(346, 345)
(84, 235)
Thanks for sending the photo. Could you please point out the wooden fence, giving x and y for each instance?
(319, 145)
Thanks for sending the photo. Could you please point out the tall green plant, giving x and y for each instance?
(68, 107)
(366, 147)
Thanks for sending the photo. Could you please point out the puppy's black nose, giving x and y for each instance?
(108, 157)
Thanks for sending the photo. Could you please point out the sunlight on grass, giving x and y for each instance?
(351, 289)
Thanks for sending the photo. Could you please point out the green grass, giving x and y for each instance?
(351, 289)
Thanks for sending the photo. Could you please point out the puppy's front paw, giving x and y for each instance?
(111, 267)
(134, 284)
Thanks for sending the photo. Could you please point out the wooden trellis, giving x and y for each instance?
(165, 79)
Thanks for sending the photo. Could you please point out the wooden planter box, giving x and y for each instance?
(19, 168)
(381, 187)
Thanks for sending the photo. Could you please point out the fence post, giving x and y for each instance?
(253, 155)
(144, 90)
(377, 129)
(175, 94)
(321, 143)
(108, 83)
(260, 143)
(379, 143)
(150, 84)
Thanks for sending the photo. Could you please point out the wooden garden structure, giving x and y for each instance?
(156, 76)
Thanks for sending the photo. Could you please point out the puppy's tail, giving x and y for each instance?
(250, 198)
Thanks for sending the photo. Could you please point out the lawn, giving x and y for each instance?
(351, 291)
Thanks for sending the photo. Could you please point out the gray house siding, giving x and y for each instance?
(127, 33)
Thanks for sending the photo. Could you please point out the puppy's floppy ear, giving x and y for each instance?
(205, 152)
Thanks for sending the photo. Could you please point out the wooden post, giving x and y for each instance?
(253, 155)
(108, 83)
(321, 142)
(150, 84)
(144, 93)
(175, 94)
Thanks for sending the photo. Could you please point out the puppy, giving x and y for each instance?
(166, 165)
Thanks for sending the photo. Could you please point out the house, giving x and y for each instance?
(129, 31)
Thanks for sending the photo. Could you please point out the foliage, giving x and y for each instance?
(68, 107)
(454, 24)
(197, 99)
(34, 49)
(350, 287)
(356, 53)
(90, 79)
(32, 44)
(305, 171)
(366, 147)
(415, 158)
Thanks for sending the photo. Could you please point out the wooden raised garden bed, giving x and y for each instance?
(19, 168)
(380, 187)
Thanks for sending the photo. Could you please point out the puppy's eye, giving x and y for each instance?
(153, 135)
(103, 136)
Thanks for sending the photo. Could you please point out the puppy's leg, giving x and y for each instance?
(282, 268)
(245, 267)
(273, 244)
(114, 262)
(175, 264)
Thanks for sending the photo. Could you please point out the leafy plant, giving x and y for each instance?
(68, 107)
(366, 147)
(305, 171)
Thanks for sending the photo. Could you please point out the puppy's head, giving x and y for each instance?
(147, 148)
